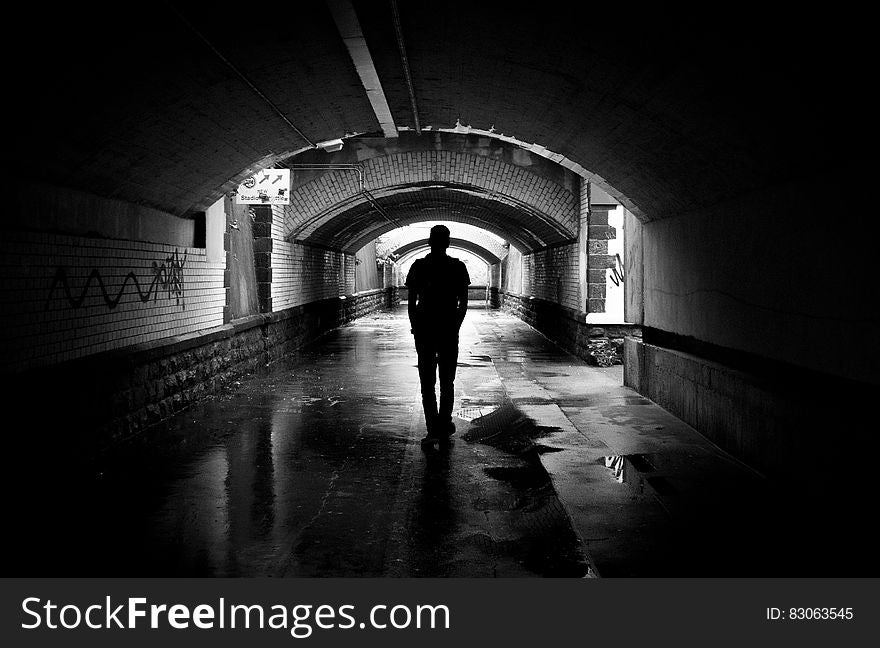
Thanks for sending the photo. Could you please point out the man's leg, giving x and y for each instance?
(427, 352)
(447, 360)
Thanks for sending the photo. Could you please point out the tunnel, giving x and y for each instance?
(668, 359)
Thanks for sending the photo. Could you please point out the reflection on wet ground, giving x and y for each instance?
(312, 467)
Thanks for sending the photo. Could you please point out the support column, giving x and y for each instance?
(583, 260)
(240, 277)
(263, 255)
(593, 236)
(599, 233)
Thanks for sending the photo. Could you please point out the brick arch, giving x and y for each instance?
(390, 242)
(454, 243)
(357, 226)
(547, 209)
(453, 252)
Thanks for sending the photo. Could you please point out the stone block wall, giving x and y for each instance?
(128, 390)
(289, 330)
(599, 232)
(107, 397)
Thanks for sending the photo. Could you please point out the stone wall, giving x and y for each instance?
(599, 232)
(105, 398)
(782, 420)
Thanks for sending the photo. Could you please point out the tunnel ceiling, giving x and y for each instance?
(534, 201)
(350, 230)
(674, 111)
(348, 226)
(483, 153)
(454, 243)
(391, 242)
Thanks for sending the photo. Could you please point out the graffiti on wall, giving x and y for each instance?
(616, 272)
(169, 275)
(167, 280)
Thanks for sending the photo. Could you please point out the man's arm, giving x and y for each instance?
(412, 296)
(462, 304)
(411, 308)
(464, 282)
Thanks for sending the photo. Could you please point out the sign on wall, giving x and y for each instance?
(267, 187)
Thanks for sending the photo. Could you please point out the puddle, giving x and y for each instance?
(471, 413)
(635, 472)
(507, 429)
(640, 462)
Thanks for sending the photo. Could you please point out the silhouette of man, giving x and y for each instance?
(438, 295)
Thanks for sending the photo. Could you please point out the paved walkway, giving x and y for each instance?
(313, 468)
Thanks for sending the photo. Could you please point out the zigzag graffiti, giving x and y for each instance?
(168, 275)
(616, 273)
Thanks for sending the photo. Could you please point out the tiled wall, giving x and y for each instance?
(65, 297)
(550, 274)
(302, 274)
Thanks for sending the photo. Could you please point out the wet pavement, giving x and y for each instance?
(312, 467)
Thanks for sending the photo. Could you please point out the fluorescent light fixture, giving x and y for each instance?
(331, 146)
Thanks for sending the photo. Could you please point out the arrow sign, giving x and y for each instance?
(268, 187)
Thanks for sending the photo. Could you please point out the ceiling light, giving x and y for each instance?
(331, 146)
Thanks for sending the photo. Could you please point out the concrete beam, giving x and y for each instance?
(350, 29)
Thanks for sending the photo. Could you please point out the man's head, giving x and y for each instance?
(439, 239)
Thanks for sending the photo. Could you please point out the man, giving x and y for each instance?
(438, 287)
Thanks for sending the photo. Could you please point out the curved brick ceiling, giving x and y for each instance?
(392, 241)
(405, 261)
(453, 156)
(454, 243)
(353, 228)
(547, 192)
(358, 218)
(675, 112)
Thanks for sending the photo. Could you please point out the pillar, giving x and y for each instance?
(594, 232)
(262, 227)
